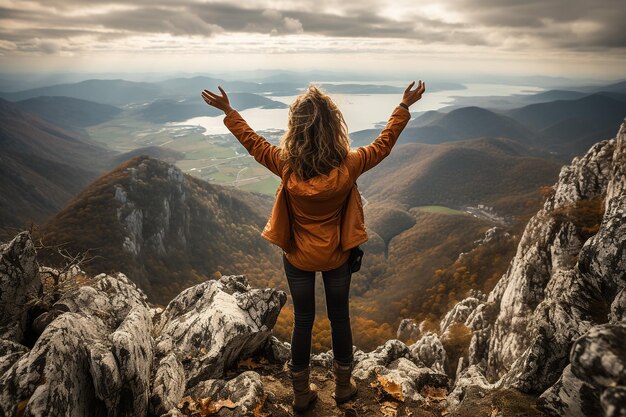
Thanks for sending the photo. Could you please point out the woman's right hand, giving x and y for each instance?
(411, 97)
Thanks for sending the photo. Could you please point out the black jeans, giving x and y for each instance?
(337, 289)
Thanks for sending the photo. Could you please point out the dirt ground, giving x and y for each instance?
(371, 399)
(375, 398)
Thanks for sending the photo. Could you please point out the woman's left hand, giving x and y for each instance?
(220, 102)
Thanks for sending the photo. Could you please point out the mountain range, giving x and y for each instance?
(564, 127)
(422, 209)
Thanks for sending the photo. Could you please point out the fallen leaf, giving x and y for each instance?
(257, 410)
(390, 404)
(389, 409)
(209, 407)
(21, 406)
(204, 406)
(185, 401)
(248, 363)
(433, 393)
(392, 388)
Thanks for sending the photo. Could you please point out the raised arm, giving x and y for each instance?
(263, 152)
(371, 155)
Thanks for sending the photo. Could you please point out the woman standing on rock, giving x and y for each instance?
(317, 218)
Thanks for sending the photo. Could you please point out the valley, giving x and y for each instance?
(452, 178)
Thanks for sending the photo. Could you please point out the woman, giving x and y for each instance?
(319, 219)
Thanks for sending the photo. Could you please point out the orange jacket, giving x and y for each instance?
(316, 222)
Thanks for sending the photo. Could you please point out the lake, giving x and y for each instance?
(361, 111)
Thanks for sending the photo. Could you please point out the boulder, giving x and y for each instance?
(209, 327)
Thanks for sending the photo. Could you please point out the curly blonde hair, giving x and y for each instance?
(317, 138)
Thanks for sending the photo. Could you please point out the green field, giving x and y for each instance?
(439, 209)
(265, 186)
(218, 159)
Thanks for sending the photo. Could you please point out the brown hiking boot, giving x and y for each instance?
(304, 394)
(345, 387)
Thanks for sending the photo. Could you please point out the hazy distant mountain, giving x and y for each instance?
(114, 92)
(591, 107)
(617, 87)
(193, 86)
(68, 111)
(495, 172)
(41, 166)
(361, 89)
(165, 229)
(550, 95)
(572, 126)
(460, 124)
(569, 92)
(565, 126)
(169, 110)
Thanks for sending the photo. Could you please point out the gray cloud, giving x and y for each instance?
(564, 23)
(577, 25)
(190, 18)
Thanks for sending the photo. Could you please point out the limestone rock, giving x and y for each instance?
(9, 353)
(412, 378)
(90, 356)
(168, 384)
(19, 283)
(324, 359)
(460, 312)
(470, 377)
(245, 390)
(599, 356)
(618, 307)
(570, 396)
(613, 401)
(429, 350)
(381, 357)
(209, 327)
(408, 329)
(277, 351)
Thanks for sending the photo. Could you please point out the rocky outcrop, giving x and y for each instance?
(554, 326)
(105, 351)
(94, 357)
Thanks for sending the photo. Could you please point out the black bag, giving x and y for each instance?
(356, 254)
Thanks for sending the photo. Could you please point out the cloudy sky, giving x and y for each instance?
(548, 37)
